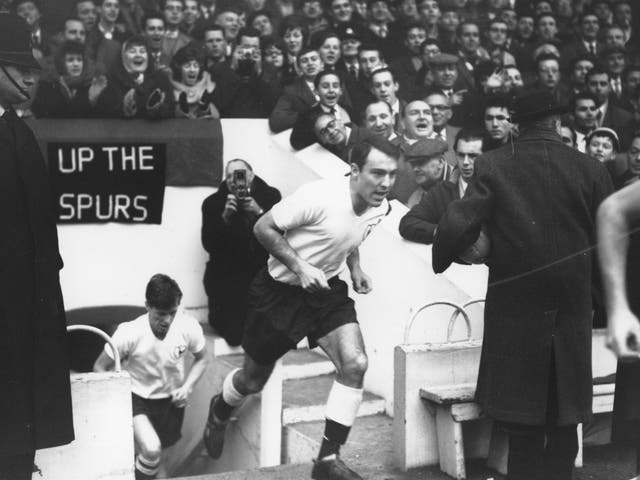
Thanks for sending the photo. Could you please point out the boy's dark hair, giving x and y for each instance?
(162, 292)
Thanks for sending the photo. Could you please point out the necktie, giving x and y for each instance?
(353, 71)
(592, 49)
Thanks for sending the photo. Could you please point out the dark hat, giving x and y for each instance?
(535, 104)
(443, 59)
(15, 42)
(349, 30)
(613, 49)
(426, 148)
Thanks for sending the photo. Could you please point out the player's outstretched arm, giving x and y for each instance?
(614, 217)
(266, 231)
(361, 281)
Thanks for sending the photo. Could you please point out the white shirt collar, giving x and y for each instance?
(395, 108)
(462, 186)
(2, 111)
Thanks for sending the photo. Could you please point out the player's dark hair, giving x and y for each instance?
(162, 292)
(360, 151)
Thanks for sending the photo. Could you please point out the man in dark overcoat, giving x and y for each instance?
(537, 200)
(35, 399)
(228, 217)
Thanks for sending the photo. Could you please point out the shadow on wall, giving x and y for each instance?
(84, 347)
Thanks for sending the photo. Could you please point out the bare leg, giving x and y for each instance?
(148, 447)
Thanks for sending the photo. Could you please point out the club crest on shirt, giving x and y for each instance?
(179, 350)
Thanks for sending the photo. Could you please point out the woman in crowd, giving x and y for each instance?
(274, 53)
(70, 88)
(294, 34)
(192, 85)
(135, 89)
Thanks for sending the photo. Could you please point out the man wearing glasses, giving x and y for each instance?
(336, 136)
(441, 111)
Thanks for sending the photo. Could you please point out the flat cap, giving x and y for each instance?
(426, 148)
(443, 59)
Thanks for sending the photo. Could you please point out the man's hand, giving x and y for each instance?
(249, 205)
(361, 281)
(458, 97)
(230, 208)
(623, 335)
(179, 396)
(312, 279)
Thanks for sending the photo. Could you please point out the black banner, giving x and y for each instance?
(108, 182)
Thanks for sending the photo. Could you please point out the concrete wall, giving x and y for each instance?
(103, 448)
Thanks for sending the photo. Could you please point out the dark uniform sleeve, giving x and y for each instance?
(419, 223)
(460, 227)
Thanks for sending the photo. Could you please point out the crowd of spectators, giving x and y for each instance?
(334, 69)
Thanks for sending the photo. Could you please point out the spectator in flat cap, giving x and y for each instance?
(426, 158)
(445, 77)
(419, 224)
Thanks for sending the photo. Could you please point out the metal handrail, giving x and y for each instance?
(456, 313)
(458, 310)
(107, 338)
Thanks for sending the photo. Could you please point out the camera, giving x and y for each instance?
(240, 183)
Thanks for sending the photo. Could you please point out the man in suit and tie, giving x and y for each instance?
(30, 11)
(599, 84)
(300, 96)
(587, 39)
(385, 88)
(614, 61)
(441, 111)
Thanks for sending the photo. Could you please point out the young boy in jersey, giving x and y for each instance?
(152, 348)
(311, 236)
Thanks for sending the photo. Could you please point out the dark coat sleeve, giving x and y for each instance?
(419, 223)
(285, 113)
(302, 134)
(460, 227)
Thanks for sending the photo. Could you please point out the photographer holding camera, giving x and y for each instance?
(228, 217)
(248, 87)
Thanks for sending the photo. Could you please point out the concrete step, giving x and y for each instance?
(303, 400)
(298, 364)
(368, 446)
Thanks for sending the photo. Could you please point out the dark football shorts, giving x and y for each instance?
(165, 417)
(279, 316)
